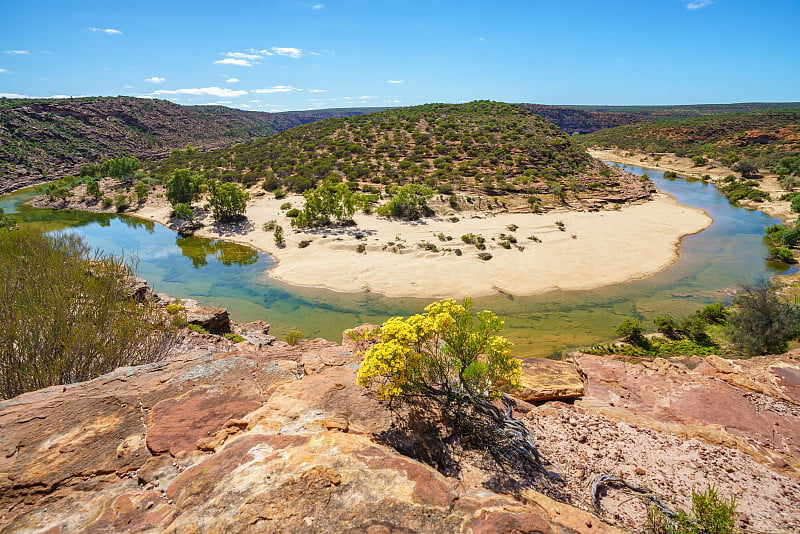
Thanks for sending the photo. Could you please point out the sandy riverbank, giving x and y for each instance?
(593, 250)
(686, 167)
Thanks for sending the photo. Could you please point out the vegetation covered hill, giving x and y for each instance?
(48, 138)
(491, 147)
(765, 137)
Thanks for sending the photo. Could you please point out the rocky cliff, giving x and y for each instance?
(278, 438)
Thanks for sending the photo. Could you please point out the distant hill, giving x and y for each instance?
(687, 111)
(571, 120)
(764, 136)
(587, 119)
(48, 138)
(491, 147)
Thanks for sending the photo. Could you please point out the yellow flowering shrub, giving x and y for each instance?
(448, 350)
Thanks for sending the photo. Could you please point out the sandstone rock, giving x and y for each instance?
(544, 380)
(215, 320)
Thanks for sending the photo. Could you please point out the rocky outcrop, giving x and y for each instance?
(278, 438)
(544, 380)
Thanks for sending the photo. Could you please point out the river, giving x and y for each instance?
(712, 263)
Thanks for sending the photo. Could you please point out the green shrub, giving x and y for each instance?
(761, 322)
(710, 514)
(278, 235)
(326, 204)
(197, 328)
(228, 201)
(286, 205)
(106, 202)
(280, 193)
(182, 211)
(182, 187)
(714, 313)
(409, 202)
(269, 225)
(7, 222)
(293, 336)
(783, 255)
(667, 325)
(69, 313)
(632, 331)
(292, 213)
(93, 189)
(236, 338)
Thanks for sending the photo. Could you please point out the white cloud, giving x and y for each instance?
(234, 61)
(242, 55)
(255, 101)
(285, 51)
(317, 6)
(317, 90)
(394, 101)
(394, 81)
(4, 71)
(698, 4)
(155, 79)
(129, 87)
(367, 97)
(314, 100)
(232, 80)
(213, 91)
(17, 52)
(13, 95)
(278, 89)
(108, 31)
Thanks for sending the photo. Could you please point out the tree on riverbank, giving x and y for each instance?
(182, 187)
(327, 204)
(228, 201)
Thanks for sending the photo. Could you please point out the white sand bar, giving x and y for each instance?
(595, 249)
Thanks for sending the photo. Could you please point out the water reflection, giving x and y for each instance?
(198, 249)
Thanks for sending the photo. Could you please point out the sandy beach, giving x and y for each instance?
(593, 249)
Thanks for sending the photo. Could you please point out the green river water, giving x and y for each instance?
(731, 251)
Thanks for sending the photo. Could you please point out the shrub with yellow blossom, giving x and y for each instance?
(448, 351)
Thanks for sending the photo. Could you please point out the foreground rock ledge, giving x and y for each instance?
(281, 440)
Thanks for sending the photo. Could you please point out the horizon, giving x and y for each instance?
(290, 55)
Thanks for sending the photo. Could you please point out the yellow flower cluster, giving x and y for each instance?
(441, 348)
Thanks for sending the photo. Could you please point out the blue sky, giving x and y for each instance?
(280, 55)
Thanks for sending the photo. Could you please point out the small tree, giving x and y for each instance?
(141, 191)
(228, 201)
(451, 361)
(93, 189)
(278, 234)
(746, 168)
(182, 187)
(121, 168)
(632, 331)
(410, 202)
(326, 204)
(762, 323)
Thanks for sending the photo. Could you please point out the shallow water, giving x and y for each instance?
(731, 251)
